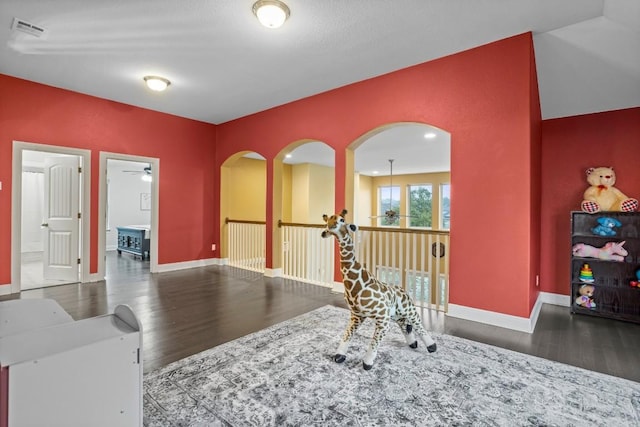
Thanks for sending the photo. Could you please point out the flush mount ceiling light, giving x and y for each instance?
(271, 13)
(156, 83)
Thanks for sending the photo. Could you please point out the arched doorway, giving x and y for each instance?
(307, 177)
(402, 199)
(243, 192)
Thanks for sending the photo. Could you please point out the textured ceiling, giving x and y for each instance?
(224, 65)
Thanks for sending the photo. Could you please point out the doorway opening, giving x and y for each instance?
(50, 216)
(128, 219)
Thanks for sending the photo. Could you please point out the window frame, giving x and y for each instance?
(408, 203)
(382, 210)
(441, 205)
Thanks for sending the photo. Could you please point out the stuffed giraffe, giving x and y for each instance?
(367, 297)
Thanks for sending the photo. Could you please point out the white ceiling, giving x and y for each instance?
(223, 65)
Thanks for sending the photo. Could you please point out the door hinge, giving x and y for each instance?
(79, 215)
(78, 260)
(79, 169)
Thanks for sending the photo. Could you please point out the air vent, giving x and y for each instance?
(27, 27)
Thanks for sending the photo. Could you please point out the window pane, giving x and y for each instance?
(389, 206)
(445, 203)
(420, 205)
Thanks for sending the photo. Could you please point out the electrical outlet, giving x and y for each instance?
(213, 246)
(537, 280)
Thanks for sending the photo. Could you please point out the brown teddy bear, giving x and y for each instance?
(603, 196)
(586, 296)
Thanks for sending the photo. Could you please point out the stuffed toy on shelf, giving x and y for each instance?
(603, 196)
(606, 226)
(586, 296)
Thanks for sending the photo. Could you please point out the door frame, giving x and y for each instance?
(16, 207)
(102, 207)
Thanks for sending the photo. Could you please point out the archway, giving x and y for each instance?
(401, 199)
(243, 193)
(305, 173)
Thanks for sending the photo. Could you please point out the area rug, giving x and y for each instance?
(285, 376)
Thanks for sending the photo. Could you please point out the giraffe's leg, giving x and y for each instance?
(382, 326)
(407, 331)
(354, 324)
(424, 335)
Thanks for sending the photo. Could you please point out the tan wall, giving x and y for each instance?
(286, 193)
(312, 193)
(300, 193)
(403, 181)
(322, 193)
(364, 202)
(247, 192)
(308, 192)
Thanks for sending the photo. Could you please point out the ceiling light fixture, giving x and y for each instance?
(271, 13)
(156, 83)
(430, 135)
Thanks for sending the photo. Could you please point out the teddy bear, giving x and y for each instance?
(602, 195)
(606, 226)
(586, 296)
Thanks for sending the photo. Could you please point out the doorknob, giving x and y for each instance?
(44, 225)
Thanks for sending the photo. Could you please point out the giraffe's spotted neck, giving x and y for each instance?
(348, 260)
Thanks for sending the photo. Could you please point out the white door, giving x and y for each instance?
(61, 222)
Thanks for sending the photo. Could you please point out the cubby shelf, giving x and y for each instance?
(614, 297)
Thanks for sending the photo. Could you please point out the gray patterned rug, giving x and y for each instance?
(285, 376)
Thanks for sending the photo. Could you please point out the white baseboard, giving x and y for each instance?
(162, 268)
(517, 323)
(555, 299)
(223, 261)
(273, 272)
(5, 289)
(94, 277)
(338, 287)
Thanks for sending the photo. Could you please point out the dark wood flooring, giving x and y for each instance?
(188, 311)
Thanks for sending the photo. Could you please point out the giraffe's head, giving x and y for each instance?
(337, 226)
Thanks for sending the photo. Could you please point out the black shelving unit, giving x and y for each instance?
(614, 297)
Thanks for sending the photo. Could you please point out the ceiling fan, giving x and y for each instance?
(390, 216)
(146, 173)
(146, 170)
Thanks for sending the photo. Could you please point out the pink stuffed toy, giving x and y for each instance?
(612, 251)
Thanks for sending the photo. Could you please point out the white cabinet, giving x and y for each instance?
(69, 373)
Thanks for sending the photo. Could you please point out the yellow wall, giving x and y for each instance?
(403, 181)
(321, 192)
(247, 190)
(300, 193)
(312, 192)
(286, 193)
(364, 202)
(308, 192)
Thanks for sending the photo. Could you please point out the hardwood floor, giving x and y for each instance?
(188, 311)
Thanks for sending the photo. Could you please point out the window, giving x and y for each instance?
(389, 206)
(420, 205)
(445, 203)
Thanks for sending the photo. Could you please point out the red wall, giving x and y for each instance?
(483, 98)
(535, 191)
(570, 146)
(486, 97)
(31, 112)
